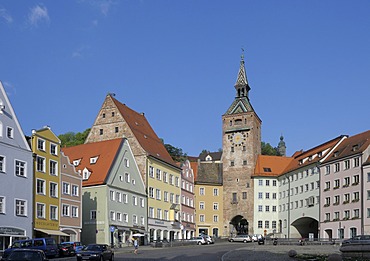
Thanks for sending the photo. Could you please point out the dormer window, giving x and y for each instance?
(208, 158)
(93, 160)
(355, 147)
(310, 158)
(76, 162)
(86, 174)
(336, 154)
(300, 162)
(319, 154)
(267, 169)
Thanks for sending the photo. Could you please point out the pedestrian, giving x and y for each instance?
(136, 245)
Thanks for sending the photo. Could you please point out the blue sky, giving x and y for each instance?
(307, 62)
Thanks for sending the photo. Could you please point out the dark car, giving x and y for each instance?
(66, 250)
(360, 239)
(26, 255)
(76, 245)
(96, 252)
(48, 245)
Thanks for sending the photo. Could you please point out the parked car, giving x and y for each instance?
(208, 239)
(66, 250)
(76, 245)
(48, 245)
(26, 254)
(198, 240)
(100, 252)
(241, 238)
(360, 239)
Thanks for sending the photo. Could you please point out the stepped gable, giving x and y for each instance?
(313, 155)
(352, 145)
(271, 166)
(144, 133)
(105, 151)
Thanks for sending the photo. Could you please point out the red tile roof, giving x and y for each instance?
(352, 145)
(144, 133)
(271, 166)
(106, 152)
(312, 155)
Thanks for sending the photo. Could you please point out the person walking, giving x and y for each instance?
(136, 245)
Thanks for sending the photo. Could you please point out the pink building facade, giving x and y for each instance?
(345, 189)
(187, 201)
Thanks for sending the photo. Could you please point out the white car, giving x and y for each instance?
(241, 238)
(198, 240)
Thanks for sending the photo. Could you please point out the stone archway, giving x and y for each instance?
(240, 224)
(306, 226)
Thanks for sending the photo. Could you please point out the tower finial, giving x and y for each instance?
(242, 57)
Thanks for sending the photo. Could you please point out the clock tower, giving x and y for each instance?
(241, 145)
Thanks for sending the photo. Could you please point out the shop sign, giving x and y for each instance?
(11, 231)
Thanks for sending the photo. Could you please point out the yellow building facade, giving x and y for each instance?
(164, 193)
(209, 209)
(46, 150)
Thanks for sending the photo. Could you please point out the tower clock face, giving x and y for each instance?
(237, 138)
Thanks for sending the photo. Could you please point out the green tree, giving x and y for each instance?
(176, 153)
(70, 139)
(267, 149)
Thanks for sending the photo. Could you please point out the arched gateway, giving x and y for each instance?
(239, 225)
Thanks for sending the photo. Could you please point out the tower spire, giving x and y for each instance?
(241, 85)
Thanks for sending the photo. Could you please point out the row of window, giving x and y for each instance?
(267, 182)
(267, 195)
(187, 217)
(20, 206)
(123, 198)
(267, 208)
(67, 211)
(162, 214)
(187, 201)
(267, 224)
(202, 191)
(68, 189)
(123, 217)
(308, 202)
(186, 185)
(41, 146)
(20, 167)
(167, 197)
(304, 174)
(345, 165)
(232, 163)
(202, 218)
(41, 166)
(346, 198)
(164, 176)
(202, 205)
(346, 182)
(297, 190)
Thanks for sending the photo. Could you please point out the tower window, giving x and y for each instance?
(101, 131)
(238, 122)
(232, 163)
(116, 129)
(103, 115)
(112, 113)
